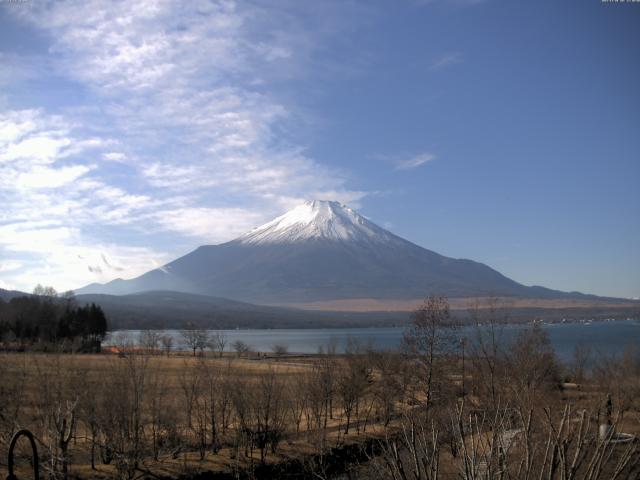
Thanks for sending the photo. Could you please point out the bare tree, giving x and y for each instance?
(487, 347)
(190, 385)
(297, 399)
(122, 413)
(149, 340)
(224, 396)
(580, 362)
(324, 386)
(494, 445)
(317, 387)
(48, 292)
(619, 377)
(240, 347)
(69, 298)
(389, 388)
(533, 368)
(167, 343)
(214, 400)
(124, 343)
(159, 416)
(413, 453)
(12, 388)
(280, 350)
(261, 412)
(430, 339)
(89, 410)
(56, 404)
(195, 338)
(353, 381)
(218, 342)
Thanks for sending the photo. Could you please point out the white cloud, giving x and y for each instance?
(44, 177)
(15, 126)
(447, 60)
(213, 225)
(114, 156)
(42, 149)
(179, 138)
(9, 265)
(60, 255)
(454, 3)
(415, 161)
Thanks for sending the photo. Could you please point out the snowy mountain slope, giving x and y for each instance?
(316, 220)
(321, 251)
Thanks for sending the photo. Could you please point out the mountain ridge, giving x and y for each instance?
(318, 251)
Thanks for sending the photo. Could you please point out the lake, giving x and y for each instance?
(606, 337)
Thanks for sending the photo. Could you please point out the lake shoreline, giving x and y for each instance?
(607, 337)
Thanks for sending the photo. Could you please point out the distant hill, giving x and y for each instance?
(7, 295)
(323, 251)
(166, 309)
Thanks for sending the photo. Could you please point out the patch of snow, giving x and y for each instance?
(318, 219)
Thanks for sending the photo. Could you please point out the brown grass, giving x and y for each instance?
(409, 305)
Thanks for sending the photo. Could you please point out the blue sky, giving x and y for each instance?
(506, 132)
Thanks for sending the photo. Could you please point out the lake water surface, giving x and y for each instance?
(606, 337)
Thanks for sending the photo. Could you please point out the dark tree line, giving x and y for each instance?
(46, 318)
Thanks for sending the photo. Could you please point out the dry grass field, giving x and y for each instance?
(178, 397)
(464, 304)
(497, 411)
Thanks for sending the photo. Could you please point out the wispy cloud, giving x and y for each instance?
(44, 177)
(210, 224)
(454, 3)
(114, 156)
(179, 141)
(9, 265)
(447, 60)
(414, 161)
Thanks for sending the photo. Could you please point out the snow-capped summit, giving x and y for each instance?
(318, 219)
(321, 251)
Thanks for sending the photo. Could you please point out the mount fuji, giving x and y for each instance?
(322, 251)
